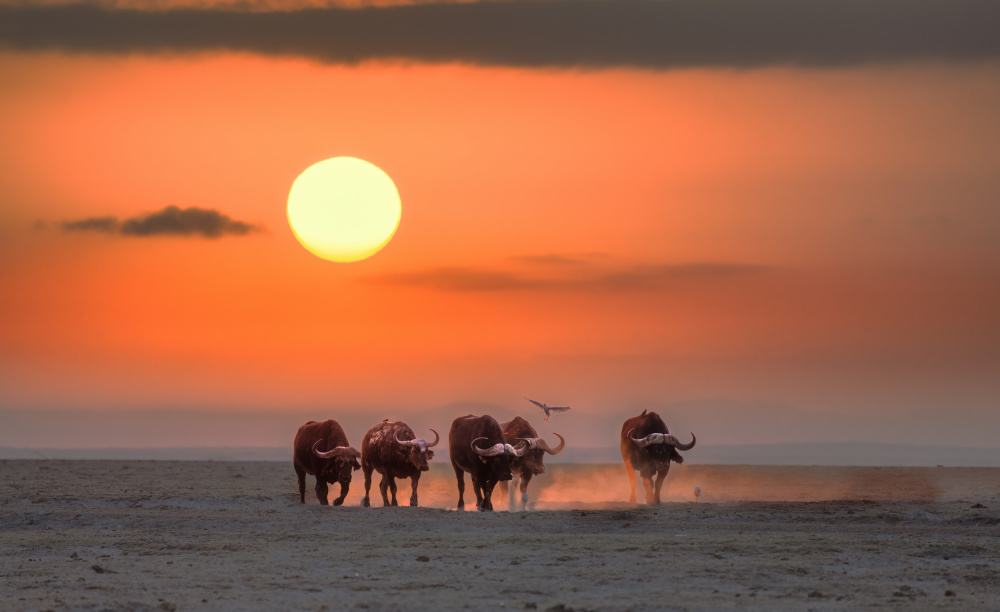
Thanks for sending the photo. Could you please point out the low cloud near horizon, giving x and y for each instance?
(649, 34)
(635, 277)
(171, 221)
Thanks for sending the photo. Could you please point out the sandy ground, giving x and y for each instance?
(116, 535)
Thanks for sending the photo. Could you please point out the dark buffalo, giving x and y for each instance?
(477, 446)
(321, 450)
(648, 446)
(523, 468)
(393, 450)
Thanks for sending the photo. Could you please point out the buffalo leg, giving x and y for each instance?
(504, 489)
(383, 487)
(488, 495)
(322, 491)
(345, 485)
(660, 476)
(460, 476)
(477, 488)
(631, 480)
(392, 489)
(302, 483)
(367, 469)
(414, 481)
(647, 483)
(525, 479)
(629, 469)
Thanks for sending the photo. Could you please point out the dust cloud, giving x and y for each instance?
(599, 486)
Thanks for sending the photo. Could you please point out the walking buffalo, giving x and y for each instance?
(648, 446)
(530, 464)
(476, 445)
(321, 450)
(393, 450)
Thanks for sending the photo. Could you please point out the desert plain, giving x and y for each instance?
(201, 535)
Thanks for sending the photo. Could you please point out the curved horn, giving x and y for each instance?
(437, 439)
(672, 440)
(496, 449)
(405, 442)
(542, 444)
(519, 453)
(653, 438)
(338, 451)
(532, 442)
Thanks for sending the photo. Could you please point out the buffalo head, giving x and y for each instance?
(499, 457)
(341, 460)
(662, 447)
(537, 447)
(418, 451)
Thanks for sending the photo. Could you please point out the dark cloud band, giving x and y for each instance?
(557, 33)
(171, 221)
(635, 278)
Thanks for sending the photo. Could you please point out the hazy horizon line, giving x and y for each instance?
(855, 454)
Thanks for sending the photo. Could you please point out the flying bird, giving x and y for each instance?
(548, 409)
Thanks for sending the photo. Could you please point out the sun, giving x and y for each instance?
(343, 209)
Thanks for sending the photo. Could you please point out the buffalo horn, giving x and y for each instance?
(653, 438)
(338, 451)
(437, 439)
(672, 440)
(660, 438)
(540, 444)
(496, 449)
(552, 451)
(405, 442)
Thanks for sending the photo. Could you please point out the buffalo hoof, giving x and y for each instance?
(337, 502)
(366, 503)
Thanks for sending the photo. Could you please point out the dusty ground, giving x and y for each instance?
(110, 535)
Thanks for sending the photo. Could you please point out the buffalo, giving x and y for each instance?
(530, 464)
(321, 450)
(648, 446)
(476, 445)
(393, 450)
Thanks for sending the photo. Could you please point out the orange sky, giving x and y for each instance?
(723, 246)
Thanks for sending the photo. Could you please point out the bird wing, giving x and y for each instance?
(559, 408)
(539, 404)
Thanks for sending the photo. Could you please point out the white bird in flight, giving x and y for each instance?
(548, 409)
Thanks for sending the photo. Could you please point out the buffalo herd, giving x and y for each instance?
(491, 453)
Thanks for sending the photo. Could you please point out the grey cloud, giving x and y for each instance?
(186, 222)
(106, 225)
(648, 276)
(460, 279)
(171, 221)
(531, 33)
(635, 278)
(551, 259)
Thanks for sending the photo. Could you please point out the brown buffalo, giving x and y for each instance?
(648, 446)
(321, 450)
(393, 450)
(523, 468)
(477, 446)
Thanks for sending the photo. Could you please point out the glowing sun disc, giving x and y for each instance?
(343, 209)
